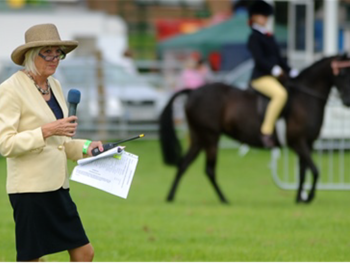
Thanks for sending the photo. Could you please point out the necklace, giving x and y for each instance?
(42, 91)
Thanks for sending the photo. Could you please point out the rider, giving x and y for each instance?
(269, 67)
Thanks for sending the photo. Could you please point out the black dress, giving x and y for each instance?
(46, 222)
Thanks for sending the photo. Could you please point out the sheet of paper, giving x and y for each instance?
(109, 174)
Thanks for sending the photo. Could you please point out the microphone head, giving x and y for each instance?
(74, 96)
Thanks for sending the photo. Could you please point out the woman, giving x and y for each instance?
(35, 137)
(269, 67)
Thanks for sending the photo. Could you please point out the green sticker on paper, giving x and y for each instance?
(117, 156)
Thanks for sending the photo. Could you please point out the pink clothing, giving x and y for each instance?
(193, 78)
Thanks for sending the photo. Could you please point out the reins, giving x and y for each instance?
(307, 91)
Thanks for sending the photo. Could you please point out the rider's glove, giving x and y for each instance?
(276, 71)
(293, 73)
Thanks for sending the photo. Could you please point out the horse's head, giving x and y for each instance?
(341, 71)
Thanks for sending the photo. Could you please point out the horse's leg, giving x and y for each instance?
(302, 172)
(305, 161)
(315, 174)
(211, 157)
(191, 154)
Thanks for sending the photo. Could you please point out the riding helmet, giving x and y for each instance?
(260, 7)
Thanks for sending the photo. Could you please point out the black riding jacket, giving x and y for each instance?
(266, 54)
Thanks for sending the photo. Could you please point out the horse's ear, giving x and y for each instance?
(342, 56)
(345, 56)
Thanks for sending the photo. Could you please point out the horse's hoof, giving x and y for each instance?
(170, 199)
(299, 200)
(223, 200)
(310, 198)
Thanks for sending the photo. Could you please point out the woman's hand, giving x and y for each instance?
(62, 127)
(93, 145)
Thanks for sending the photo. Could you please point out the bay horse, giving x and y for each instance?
(218, 108)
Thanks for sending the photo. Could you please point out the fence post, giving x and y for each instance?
(101, 96)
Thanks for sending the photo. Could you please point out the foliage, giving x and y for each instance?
(262, 222)
(143, 44)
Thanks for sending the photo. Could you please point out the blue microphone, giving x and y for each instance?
(73, 100)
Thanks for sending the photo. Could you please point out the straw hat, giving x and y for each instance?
(41, 36)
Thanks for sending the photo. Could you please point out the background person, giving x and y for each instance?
(35, 137)
(269, 66)
(195, 74)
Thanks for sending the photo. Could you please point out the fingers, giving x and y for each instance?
(61, 127)
(67, 126)
(100, 145)
(72, 118)
(68, 130)
(93, 145)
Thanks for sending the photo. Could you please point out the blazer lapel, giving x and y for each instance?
(59, 97)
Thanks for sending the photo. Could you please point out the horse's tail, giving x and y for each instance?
(170, 145)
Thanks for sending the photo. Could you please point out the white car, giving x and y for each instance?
(124, 95)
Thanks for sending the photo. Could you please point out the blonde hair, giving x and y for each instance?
(30, 56)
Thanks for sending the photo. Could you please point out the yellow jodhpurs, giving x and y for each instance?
(272, 88)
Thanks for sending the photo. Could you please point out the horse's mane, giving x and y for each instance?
(315, 67)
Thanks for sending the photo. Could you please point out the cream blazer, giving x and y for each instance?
(33, 164)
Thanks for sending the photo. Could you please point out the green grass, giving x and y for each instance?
(261, 223)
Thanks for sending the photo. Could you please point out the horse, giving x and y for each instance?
(217, 108)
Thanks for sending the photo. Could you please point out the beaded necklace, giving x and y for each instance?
(42, 91)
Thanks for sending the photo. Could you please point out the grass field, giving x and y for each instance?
(261, 223)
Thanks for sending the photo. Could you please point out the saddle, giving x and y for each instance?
(263, 101)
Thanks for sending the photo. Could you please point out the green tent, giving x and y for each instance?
(207, 40)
